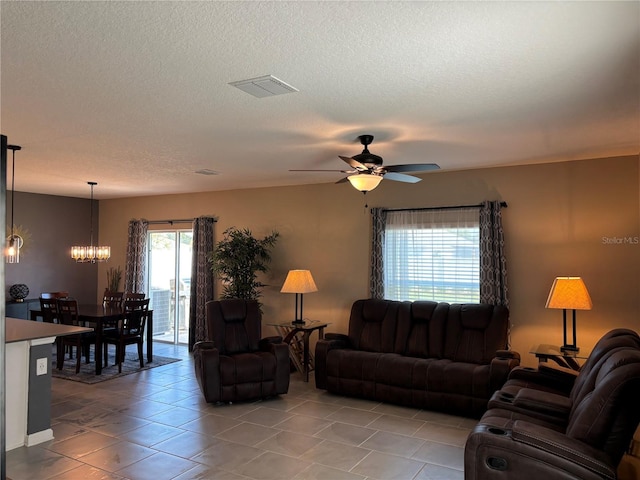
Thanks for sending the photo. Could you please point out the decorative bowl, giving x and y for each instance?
(19, 292)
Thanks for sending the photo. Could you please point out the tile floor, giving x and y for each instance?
(155, 425)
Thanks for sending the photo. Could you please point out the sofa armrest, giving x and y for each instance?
(341, 338)
(564, 373)
(280, 350)
(207, 367)
(542, 405)
(508, 354)
(526, 451)
(557, 443)
(547, 375)
(265, 342)
(501, 365)
(331, 341)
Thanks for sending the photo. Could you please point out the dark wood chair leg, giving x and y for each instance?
(78, 356)
(59, 353)
(140, 354)
(120, 356)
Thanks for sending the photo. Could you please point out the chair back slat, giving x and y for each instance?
(131, 304)
(133, 323)
(112, 299)
(134, 296)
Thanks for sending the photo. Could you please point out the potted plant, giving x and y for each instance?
(114, 277)
(237, 259)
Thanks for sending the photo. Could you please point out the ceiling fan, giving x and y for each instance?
(368, 170)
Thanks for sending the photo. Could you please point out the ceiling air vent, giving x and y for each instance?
(206, 171)
(266, 86)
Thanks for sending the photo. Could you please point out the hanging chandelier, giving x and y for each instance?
(14, 241)
(90, 254)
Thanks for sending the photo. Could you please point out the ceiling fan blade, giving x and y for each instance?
(401, 177)
(343, 180)
(354, 163)
(343, 171)
(418, 167)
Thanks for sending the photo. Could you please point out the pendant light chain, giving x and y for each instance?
(91, 216)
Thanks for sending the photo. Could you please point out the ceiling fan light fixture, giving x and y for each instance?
(364, 182)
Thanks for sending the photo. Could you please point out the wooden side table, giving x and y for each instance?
(544, 353)
(297, 336)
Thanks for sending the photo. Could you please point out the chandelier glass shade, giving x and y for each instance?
(14, 241)
(90, 253)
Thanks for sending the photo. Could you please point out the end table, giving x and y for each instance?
(544, 353)
(297, 336)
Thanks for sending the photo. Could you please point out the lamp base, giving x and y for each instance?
(298, 322)
(572, 349)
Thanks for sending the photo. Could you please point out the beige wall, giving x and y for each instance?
(554, 225)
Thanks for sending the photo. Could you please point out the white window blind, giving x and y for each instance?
(432, 255)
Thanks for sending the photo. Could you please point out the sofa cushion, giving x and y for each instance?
(372, 325)
(421, 334)
(233, 325)
(475, 332)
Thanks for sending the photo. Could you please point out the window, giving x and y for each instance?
(432, 254)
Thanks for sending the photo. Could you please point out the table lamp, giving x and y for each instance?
(569, 293)
(299, 282)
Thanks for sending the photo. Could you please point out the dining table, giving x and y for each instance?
(98, 316)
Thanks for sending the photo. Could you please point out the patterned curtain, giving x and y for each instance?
(136, 256)
(376, 277)
(201, 279)
(493, 264)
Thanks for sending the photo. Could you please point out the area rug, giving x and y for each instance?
(87, 373)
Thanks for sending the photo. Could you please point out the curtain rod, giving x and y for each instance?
(502, 204)
(171, 222)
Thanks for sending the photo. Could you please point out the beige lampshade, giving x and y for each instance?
(569, 293)
(299, 281)
(364, 182)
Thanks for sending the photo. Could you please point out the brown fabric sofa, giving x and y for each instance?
(548, 435)
(440, 356)
(237, 364)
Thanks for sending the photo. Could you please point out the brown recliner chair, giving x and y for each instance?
(237, 364)
(510, 445)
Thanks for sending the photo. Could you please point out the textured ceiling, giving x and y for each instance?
(135, 95)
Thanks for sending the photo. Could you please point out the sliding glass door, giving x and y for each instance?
(170, 283)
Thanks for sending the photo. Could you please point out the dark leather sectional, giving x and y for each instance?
(439, 356)
(550, 423)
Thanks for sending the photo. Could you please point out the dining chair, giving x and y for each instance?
(49, 309)
(68, 315)
(130, 330)
(51, 295)
(112, 299)
(134, 296)
(135, 304)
